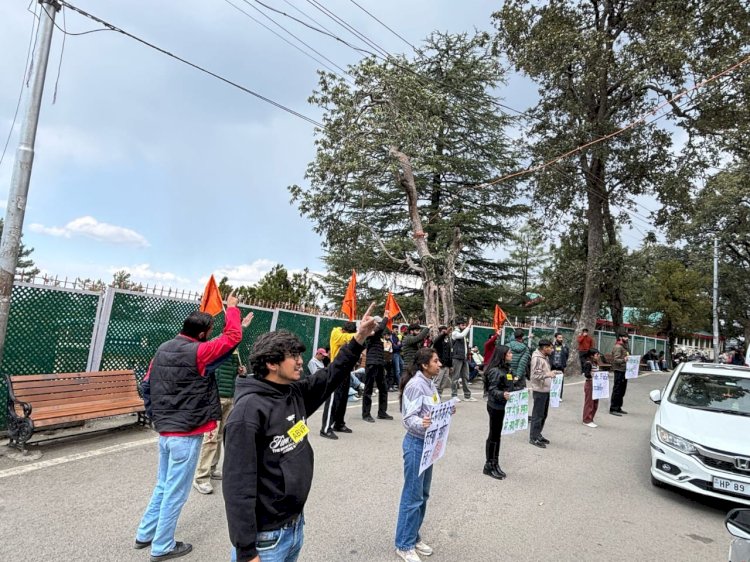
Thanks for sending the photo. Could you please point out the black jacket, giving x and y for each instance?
(267, 475)
(498, 382)
(375, 349)
(410, 344)
(559, 358)
(442, 345)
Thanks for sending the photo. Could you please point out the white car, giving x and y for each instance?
(700, 438)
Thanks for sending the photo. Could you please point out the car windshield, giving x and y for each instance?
(710, 391)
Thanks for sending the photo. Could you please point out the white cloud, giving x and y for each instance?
(244, 274)
(92, 228)
(143, 272)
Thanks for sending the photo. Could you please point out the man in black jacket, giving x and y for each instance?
(444, 348)
(268, 465)
(375, 373)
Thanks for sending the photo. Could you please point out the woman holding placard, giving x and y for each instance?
(499, 382)
(590, 364)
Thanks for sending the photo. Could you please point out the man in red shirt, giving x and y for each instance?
(182, 400)
(585, 343)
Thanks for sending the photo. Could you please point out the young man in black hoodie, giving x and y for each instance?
(268, 460)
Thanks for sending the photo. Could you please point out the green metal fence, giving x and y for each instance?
(49, 331)
(53, 330)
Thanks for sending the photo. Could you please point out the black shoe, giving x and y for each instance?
(368, 418)
(141, 544)
(180, 549)
(329, 434)
(499, 471)
(489, 470)
(544, 440)
(385, 417)
(537, 443)
(615, 413)
(621, 411)
(342, 429)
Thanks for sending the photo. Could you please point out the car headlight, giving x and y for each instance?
(675, 441)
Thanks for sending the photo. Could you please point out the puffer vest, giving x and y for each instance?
(181, 399)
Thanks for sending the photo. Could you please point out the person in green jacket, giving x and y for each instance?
(208, 462)
(521, 356)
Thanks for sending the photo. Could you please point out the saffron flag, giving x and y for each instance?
(499, 318)
(211, 301)
(391, 306)
(349, 306)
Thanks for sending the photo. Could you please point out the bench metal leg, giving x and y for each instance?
(20, 431)
(143, 419)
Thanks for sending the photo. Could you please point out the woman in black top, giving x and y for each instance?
(499, 382)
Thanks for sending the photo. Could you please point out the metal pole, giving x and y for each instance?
(19, 183)
(716, 299)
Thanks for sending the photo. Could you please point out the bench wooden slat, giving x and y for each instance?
(63, 410)
(76, 397)
(51, 384)
(39, 392)
(55, 376)
(88, 416)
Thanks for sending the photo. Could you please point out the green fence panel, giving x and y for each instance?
(480, 336)
(260, 324)
(326, 327)
(138, 325)
(303, 325)
(605, 341)
(49, 331)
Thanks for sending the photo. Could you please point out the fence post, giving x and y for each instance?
(599, 341)
(317, 333)
(103, 313)
(274, 319)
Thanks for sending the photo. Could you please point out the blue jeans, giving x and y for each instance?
(414, 496)
(178, 457)
(398, 366)
(280, 545)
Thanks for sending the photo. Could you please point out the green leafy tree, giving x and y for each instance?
(25, 264)
(395, 184)
(122, 280)
(600, 65)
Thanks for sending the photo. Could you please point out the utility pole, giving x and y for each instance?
(19, 183)
(716, 299)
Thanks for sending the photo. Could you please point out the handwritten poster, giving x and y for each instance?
(516, 412)
(600, 388)
(631, 367)
(554, 393)
(436, 436)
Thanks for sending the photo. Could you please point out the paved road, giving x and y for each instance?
(585, 498)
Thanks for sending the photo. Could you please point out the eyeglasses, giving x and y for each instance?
(294, 356)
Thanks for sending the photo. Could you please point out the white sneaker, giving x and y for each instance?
(203, 488)
(423, 549)
(408, 555)
(470, 399)
(591, 424)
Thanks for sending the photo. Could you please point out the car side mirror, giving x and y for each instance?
(655, 396)
(738, 523)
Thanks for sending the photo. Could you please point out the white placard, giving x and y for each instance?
(554, 392)
(516, 412)
(631, 367)
(436, 436)
(600, 389)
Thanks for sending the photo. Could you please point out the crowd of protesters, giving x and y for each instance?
(197, 390)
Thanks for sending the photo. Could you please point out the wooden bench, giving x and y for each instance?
(43, 401)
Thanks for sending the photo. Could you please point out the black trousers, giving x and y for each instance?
(375, 374)
(618, 392)
(539, 414)
(497, 417)
(334, 409)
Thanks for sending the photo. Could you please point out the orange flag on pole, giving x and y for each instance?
(499, 318)
(211, 301)
(349, 306)
(391, 306)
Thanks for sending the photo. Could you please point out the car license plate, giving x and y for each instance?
(732, 486)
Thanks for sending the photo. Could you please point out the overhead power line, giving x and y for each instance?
(383, 24)
(240, 87)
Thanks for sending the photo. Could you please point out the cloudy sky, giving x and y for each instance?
(145, 164)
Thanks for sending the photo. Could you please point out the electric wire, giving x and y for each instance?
(62, 52)
(261, 97)
(341, 22)
(32, 40)
(233, 5)
(384, 25)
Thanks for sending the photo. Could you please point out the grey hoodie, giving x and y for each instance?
(420, 395)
